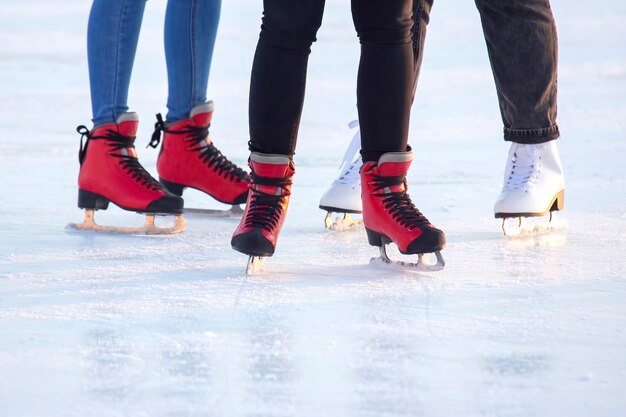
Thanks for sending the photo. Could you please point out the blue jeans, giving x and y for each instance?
(112, 35)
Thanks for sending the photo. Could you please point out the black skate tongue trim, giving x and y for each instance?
(398, 203)
(265, 209)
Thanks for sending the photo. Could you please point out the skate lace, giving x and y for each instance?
(130, 164)
(208, 153)
(351, 163)
(398, 203)
(525, 168)
(265, 209)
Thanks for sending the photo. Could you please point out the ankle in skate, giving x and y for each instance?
(533, 186)
(266, 206)
(344, 194)
(188, 158)
(110, 172)
(389, 214)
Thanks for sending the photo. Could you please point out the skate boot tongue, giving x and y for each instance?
(127, 124)
(202, 114)
(270, 166)
(395, 164)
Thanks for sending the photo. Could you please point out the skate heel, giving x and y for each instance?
(559, 201)
(93, 201)
(172, 187)
(375, 238)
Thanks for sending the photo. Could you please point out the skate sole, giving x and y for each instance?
(556, 204)
(234, 211)
(88, 200)
(340, 210)
(178, 189)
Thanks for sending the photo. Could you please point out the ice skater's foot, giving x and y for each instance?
(266, 206)
(389, 214)
(533, 183)
(188, 158)
(110, 172)
(343, 196)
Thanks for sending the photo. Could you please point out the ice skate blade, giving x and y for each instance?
(234, 211)
(524, 229)
(341, 223)
(149, 228)
(255, 264)
(420, 265)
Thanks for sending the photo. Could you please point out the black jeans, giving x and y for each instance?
(522, 44)
(521, 39)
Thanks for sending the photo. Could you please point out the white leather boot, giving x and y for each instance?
(533, 182)
(344, 194)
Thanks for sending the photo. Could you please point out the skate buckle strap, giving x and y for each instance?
(265, 209)
(398, 203)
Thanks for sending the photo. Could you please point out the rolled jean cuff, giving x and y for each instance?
(531, 136)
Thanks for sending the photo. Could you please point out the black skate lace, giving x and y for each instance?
(129, 163)
(398, 203)
(265, 209)
(209, 154)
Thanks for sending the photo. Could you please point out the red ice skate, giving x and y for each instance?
(389, 215)
(266, 207)
(111, 172)
(188, 158)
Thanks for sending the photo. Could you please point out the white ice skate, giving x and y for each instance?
(533, 187)
(344, 194)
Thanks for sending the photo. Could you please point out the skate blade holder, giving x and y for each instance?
(233, 211)
(340, 222)
(149, 228)
(255, 264)
(525, 228)
(420, 265)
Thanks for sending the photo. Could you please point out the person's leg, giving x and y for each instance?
(276, 98)
(384, 96)
(386, 74)
(188, 156)
(279, 73)
(190, 31)
(112, 35)
(522, 44)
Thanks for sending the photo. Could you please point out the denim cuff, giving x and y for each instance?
(531, 136)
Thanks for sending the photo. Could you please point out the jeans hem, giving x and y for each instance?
(531, 136)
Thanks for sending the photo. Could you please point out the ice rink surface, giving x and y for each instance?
(103, 325)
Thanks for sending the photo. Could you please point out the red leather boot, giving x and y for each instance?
(266, 206)
(111, 172)
(389, 215)
(188, 158)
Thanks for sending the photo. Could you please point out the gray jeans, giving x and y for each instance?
(522, 45)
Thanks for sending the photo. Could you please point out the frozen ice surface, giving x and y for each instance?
(102, 325)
